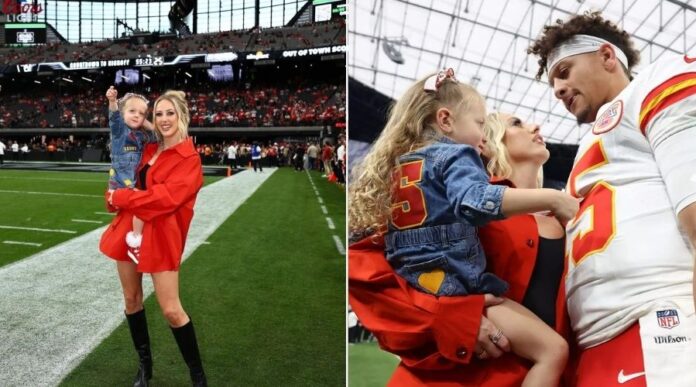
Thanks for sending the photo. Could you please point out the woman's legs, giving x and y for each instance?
(167, 292)
(131, 282)
(132, 285)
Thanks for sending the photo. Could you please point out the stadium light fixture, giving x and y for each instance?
(87, 79)
(392, 48)
(187, 74)
(38, 82)
(67, 80)
(146, 76)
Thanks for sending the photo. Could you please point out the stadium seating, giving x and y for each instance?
(294, 37)
(319, 104)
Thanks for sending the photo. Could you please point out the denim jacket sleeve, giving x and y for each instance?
(116, 123)
(468, 189)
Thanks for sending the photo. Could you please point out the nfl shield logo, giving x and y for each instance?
(667, 319)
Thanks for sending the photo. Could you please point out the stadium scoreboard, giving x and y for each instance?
(25, 33)
(325, 10)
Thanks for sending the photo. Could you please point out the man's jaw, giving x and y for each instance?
(583, 116)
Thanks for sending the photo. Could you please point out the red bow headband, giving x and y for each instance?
(433, 83)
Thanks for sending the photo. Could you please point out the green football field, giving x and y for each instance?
(369, 366)
(266, 291)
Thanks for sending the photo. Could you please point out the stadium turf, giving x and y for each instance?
(63, 205)
(267, 297)
(369, 366)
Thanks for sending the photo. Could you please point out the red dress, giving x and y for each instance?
(435, 337)
(166, 207)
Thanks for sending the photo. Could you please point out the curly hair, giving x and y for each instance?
(589, 23)
(411, 125)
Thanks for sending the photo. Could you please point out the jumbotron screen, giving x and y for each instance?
(324, 10)
(25, 33)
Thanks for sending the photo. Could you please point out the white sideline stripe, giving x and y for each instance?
(60, 303)
(39, 229)
(339, 245)
(331, 224)
(105, 213)
(51, 193)
(21, 243)
(337, 240)
(86, 221)
(205, 243)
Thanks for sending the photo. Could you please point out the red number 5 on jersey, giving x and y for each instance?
(598, 204)
(408, 208)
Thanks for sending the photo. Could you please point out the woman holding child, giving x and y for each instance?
(169, 176)
(448, 339)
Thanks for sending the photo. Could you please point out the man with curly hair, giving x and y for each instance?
(629, 284)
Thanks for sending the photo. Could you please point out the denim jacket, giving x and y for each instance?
(126, 150)
(432, 242)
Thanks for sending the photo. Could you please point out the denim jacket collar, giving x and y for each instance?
(446, 140)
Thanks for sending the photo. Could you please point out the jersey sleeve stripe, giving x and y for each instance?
(669, 93)
(664, 85)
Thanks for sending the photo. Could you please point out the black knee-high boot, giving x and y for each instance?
(141, 339)
(188, 345)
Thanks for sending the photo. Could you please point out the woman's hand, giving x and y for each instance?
(491, 343)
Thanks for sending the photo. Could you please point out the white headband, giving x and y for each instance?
(581, 44)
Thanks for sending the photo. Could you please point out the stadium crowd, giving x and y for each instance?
(281, 38)
(324, 156)
(297, 105)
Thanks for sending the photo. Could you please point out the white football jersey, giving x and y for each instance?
(635, 170)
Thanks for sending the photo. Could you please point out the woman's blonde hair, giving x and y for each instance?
(411, 125)
(499, 161)
(178, 99)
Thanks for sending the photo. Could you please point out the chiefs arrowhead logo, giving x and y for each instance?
(609, 118)
(689, 60)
